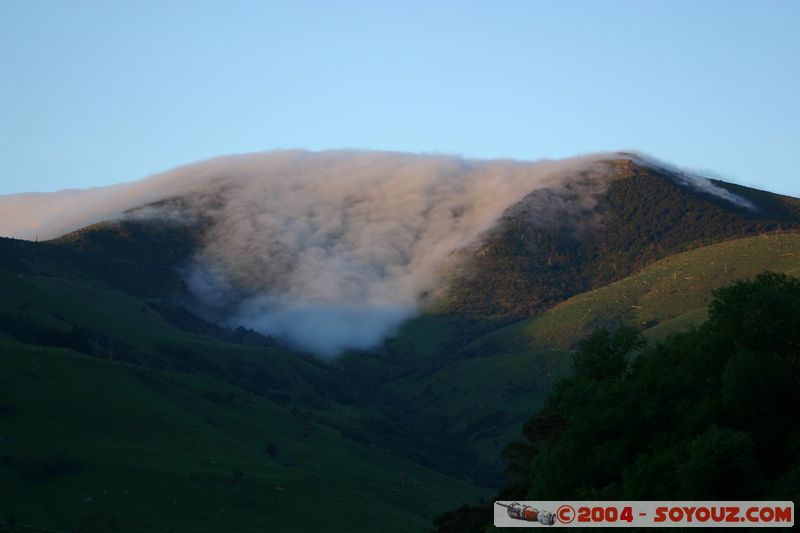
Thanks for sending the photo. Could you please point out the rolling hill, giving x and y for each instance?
(94, 445)
(102, 396)
(666, 296)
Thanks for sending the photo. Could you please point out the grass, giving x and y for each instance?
(486, 398)
(102, 445)
(425, 334)
(61, 303)
(668, 295)
(514, 368)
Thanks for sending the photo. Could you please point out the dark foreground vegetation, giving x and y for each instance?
(708, 414)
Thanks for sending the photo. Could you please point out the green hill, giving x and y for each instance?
(101, 446)
(667, 296)
(97, 320)
(493, 382)
(109, 414)
(706, 414)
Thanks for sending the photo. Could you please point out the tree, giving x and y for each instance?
(761, 315)
(604, 355)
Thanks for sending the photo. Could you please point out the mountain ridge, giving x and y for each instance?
(591, 226)
(644, 214)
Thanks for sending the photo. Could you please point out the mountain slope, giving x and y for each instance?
(138, 257)
(562, 241)
(93, 445)
(43, 303)
(709, 413)
(493, 381)
(592, 225)
(157, 405)
(47, 305)
(665, 296)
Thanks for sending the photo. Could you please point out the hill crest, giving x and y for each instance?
(360, 241)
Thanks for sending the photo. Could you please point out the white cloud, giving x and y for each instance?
(330, 250)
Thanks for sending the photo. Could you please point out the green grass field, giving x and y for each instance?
(104, 446)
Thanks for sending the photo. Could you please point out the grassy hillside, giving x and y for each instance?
(52, 308)
(94, 319)
(102, 446)
(707, 414)
(485, 400)
(488, 385)
(664, 297)
(132, 256)
(159, 406)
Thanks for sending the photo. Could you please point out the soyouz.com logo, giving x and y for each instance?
(644, 514)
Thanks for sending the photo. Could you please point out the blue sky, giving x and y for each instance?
(93, 93)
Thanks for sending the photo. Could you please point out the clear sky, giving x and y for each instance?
(93, 93)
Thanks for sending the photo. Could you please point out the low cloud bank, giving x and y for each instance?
(329, 250)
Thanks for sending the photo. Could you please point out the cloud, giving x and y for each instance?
(693, 180)
(329, 250)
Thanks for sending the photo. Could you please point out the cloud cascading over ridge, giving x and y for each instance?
(330, 250)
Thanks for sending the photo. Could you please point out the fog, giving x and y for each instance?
(328, 250)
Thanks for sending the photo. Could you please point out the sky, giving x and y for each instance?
(99, 92)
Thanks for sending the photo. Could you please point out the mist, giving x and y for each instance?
(694, 180)
(328, 250)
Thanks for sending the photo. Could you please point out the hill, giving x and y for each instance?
(666, 296)
(94, 445)
(43, 303)
(566, 240)
(709, 413)
(103, 397)
(488, 386)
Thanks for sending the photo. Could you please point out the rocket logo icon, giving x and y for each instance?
(527, 513)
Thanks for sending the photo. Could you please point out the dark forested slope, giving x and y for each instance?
(555, 243)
